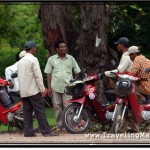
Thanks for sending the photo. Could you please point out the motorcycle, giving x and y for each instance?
(12, 116)
(84, 107)
(128, 101)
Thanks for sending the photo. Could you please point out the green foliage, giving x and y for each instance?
(19, 23)
(131, 20)
(50, 114)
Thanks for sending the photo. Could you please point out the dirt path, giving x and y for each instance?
(66, 138)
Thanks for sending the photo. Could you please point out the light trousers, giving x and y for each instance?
(58, 100)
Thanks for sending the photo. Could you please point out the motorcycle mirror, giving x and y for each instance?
(14, 75)
(147, 70)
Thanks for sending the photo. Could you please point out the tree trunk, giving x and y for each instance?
(58, 21)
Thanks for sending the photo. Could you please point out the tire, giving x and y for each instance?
(117, 118)
(80, 125)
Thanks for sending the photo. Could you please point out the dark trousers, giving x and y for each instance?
(37, 104)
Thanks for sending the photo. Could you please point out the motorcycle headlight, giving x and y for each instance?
(123, 88)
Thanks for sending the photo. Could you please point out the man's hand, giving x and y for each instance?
(11, 85)
(49, 92)
(43, 94)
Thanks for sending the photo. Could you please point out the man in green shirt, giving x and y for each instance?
(60, 69)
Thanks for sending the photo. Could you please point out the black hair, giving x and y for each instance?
(58, 42)
(17, 56)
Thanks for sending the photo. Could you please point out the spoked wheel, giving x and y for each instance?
(117, 118)
(74, 124)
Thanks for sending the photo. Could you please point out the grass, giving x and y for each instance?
(50, 114)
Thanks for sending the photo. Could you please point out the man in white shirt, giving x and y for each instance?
(125, 63)
(14, 89)
(32, 90)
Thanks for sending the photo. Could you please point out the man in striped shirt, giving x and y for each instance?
(140, 64)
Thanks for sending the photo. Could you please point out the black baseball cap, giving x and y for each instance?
(29, 44)
(124, 41)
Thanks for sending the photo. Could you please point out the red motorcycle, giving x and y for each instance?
(127, 100)
(12, 116)
(84, 107)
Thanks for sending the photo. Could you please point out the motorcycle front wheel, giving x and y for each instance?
(117, 118)
(74, 124)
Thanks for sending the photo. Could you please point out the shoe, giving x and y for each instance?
(50, 134)
(56, 129)
(32, 135)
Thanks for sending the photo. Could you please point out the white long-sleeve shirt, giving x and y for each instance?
(30, 76)
(125, 64)
(8, 72)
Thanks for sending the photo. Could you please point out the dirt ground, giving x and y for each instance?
(77, 139)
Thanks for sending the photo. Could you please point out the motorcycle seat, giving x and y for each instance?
(109, 92)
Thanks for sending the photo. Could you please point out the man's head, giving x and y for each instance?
(133, 51)
(30, 46)
(122, 44)
(60, 47)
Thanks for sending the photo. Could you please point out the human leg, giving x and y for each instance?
(65, 97)
(4, 97)
(27, 115)
(39, 109)
(58, 107)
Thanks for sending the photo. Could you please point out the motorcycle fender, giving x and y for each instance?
(81, 100)
(147, 107)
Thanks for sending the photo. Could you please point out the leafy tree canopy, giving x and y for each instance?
(19, 22)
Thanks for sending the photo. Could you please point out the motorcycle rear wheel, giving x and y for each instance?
(72, 125)
(117, 118)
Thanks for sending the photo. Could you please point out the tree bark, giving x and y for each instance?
(58, 21)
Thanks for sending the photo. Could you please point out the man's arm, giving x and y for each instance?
(124, 64)
(49, 84)
(39, 78)
(76, 69)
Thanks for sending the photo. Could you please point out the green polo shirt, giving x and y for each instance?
(61, 71)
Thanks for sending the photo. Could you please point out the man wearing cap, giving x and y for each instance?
(13, 88)
(125, 64)
(32, 90)
(125, 61)
(140, 64)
